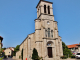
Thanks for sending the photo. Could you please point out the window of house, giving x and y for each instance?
(51, 33)
(48, 32)
(48, 9)
(44, 8)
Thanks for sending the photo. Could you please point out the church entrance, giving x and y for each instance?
(49, 52)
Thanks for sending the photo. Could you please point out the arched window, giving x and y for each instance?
(48, 32)
(51, 33)
(48, 9)
(44, 8)
(49, 43)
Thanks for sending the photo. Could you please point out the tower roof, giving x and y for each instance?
(1, 38)
(43, 1)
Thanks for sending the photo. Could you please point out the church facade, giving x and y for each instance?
(45, 38)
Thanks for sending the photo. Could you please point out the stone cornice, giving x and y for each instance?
(55, 21)
(50, 38)
(45, 14)
(38, 41)
(47, 19)
(37, 29)
(37, 19)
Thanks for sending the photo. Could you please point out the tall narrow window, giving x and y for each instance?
(48, 32)
(48, 9)
(51, 33)
(44, 8)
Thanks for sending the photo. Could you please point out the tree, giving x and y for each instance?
(66, 51)
(35, 54)
(15, 50)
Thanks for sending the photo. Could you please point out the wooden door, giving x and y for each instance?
(50, 52)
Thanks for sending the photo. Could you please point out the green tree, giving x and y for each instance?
(66, 51)
(15, 50)
(35, 54)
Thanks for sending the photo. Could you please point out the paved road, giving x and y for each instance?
(8, 59)
(70, 59)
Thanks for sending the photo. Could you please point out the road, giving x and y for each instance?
(8, 59)
(70, 59)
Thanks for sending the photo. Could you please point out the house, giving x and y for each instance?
(9, 52)
(73, 48)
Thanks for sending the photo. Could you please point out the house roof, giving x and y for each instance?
(1, 38)
(72, 46)
(78, 44)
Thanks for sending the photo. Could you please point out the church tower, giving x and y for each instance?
(47, 41)
(45, 38)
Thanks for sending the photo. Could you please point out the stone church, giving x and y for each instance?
(45, 38)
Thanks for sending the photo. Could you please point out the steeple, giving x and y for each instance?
(44, 7)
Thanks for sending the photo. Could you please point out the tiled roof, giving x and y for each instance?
(72, 46)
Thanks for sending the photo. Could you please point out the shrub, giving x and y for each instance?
(35, 54)
(73, 56)
(64, 57)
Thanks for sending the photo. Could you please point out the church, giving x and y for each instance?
(45, 39)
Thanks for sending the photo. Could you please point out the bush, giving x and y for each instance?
(35, 54)
(73, 56)
(66, 52)
(64, 57)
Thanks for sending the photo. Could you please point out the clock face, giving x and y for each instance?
(48, 22)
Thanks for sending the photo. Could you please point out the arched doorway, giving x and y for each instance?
(49, 49)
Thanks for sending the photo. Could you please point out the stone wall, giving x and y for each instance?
(18, 55)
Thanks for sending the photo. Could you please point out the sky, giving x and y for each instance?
(17, 20)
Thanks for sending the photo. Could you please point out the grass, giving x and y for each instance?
(1, 58)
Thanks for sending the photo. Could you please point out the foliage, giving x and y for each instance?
(22, 54)
(35, 54)
(15, 50)
(72, 56)
(3, 48)
(19, 57)
(66, 51)
(1, 58)
(64, 57)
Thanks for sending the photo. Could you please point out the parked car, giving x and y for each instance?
(78, 55)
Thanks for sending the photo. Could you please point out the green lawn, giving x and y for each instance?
(1, 58)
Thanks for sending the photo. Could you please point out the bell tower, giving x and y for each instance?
(47, 41)
(44, 8)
